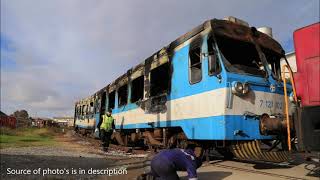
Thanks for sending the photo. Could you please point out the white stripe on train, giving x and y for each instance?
(207, 104)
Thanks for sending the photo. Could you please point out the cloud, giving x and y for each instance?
(59, 51)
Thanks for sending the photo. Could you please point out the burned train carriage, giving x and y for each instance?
(218, 85)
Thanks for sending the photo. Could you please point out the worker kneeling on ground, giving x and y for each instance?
(165, 164)
(106, 129)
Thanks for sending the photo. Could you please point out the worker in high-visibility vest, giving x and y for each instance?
(106, 129)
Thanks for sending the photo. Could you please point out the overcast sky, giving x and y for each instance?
(54, 52)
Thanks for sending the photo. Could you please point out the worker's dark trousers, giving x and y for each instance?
(163, 169)
(105, 137)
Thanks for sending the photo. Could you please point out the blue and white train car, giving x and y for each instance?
(84, 118)
(216, 86)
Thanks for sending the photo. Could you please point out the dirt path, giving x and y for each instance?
(72, 154)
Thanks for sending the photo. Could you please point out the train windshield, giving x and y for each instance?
(273, 59)
(240, 56)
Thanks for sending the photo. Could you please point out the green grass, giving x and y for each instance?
(23, 137)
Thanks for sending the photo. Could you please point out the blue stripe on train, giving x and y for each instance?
(210, 128)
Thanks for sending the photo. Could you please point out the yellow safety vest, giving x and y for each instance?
(106, 123)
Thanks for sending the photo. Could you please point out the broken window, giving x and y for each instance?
(273, 61)
(137, 89)
(111, 100)
(77, 111)
(214, 65)
(91, 107)
(83, 109)
(97, 106)
(195, 72)
(87, 109)
(103, 102)
(123, 95)
(240, 56)
(160, 80)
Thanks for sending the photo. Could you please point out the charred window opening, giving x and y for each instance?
(137, 87)
(214, 65)
(78, 111)
(86, 109)
(97, 106)
(111, 100)
(103, 102)
(195, 72)
(91, 107)
(123, 95)
(273, 59)
(240, 56)
(83, 109)
(160, 79)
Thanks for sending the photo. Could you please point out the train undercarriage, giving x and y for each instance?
(165, 138)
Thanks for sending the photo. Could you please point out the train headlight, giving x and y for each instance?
(245, 88)
(239, 88)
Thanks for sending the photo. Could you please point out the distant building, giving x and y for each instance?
(43, 122)
(64, 121)
(291, 57)
(7, 121)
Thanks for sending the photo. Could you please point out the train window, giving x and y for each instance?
(137, 87)
(103, 102)
(77, 111)
(83, 109)
(97, 105)
(214, 65)
(91, 107)
(195, 72)
(111, 100)
(87, 109)
(123, 95)
(159, 80)
(273, 61)
(80, 110)
(240, 56)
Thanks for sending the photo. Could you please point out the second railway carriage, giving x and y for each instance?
(216, 86)
(85, 112)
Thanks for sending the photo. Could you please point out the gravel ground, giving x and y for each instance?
(73, 154)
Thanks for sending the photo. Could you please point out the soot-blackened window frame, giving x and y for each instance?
(103, 102)
(91, 107)
(193, 63)
(137, 89)
(160, 80)
(123, 95)
(212, 56)
(111, 100)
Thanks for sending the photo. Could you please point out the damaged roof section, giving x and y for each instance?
(244, 33)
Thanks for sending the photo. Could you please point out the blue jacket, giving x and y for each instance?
(183, 160)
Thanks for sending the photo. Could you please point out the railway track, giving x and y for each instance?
(217, 162)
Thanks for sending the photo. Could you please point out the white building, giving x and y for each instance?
(291, 57)
(64, 121)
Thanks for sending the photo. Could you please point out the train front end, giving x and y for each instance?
(255, 125)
